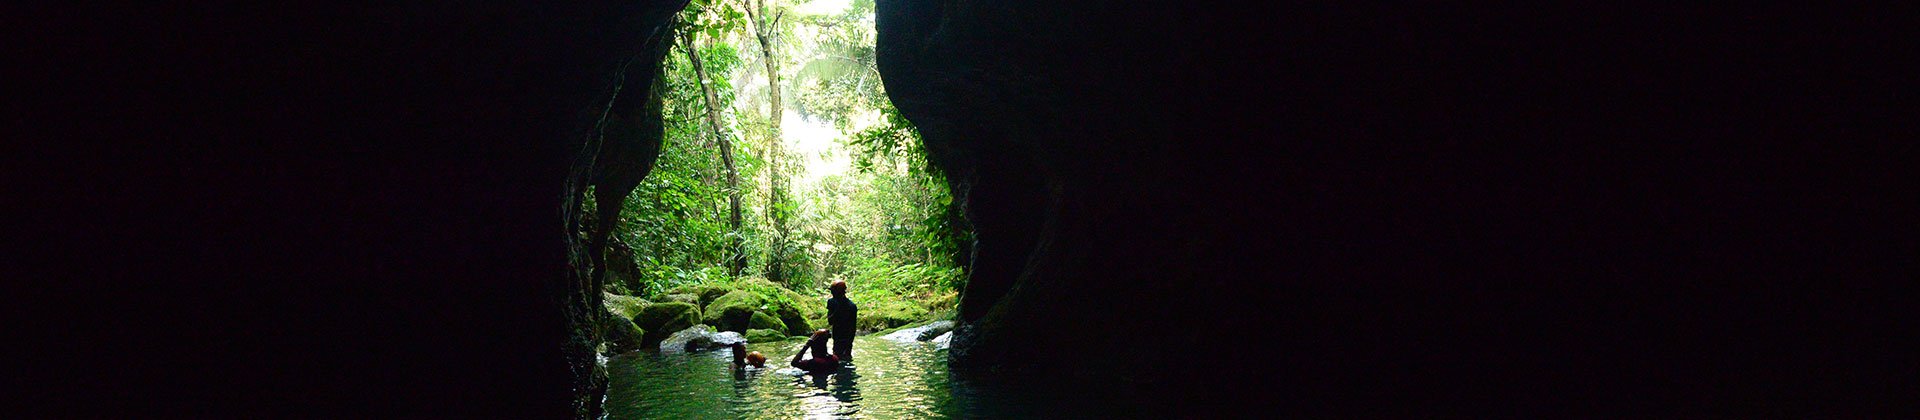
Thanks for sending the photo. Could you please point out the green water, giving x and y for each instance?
(886, 380)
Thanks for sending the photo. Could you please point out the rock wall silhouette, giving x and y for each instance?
(1387, 209)
(336, 209)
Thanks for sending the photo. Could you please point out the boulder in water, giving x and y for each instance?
(920, 333)
(716, 340)
(621, 335)
(935, 329)
(700, 338)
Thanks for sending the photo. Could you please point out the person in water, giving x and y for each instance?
(743, 358)
(821, 363)
(841, 316)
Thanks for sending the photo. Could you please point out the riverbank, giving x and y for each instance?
(757, 309)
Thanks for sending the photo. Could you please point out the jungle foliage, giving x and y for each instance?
(886, 224)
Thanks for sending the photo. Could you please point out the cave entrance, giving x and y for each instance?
(766, 190)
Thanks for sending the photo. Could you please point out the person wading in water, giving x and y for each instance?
(841, 316)
(743, 358)
(821, 363)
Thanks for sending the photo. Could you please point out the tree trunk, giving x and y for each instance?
(776, 179)
(737, 260)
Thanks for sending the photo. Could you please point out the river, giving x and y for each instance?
(887, 379)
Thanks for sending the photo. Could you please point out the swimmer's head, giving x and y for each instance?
(756, 359)
(819, 342)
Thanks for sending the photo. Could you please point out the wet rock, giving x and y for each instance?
(699, 338)
(935, 329)
(920, 333)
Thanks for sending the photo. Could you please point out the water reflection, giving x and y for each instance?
(891, 380)
(845, 384)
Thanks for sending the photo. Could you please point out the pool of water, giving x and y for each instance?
(887, 379)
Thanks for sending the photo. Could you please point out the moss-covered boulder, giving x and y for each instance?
(733, 311)
(688, 298)
(622, 335)
(795, 321)
(764, 336)
(706, 293)
(943, 302)
(734, 307)
(800, 313)
(662, 319)
(880, 315)
(623, 305)
(766, 321)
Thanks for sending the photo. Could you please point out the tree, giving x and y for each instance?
(765, 16)
(705, 17)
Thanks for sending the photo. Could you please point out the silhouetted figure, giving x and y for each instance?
(841, 316)
(821, 363)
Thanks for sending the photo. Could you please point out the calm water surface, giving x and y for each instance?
(886, 380)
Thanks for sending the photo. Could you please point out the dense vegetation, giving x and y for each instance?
(735, 204)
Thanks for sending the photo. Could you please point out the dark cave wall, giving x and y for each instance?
(622, 136)
(344, 210)
(1360, 208)
(308, 209)
(1098, 180)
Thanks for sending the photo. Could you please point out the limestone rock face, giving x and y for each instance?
(1093, 175)
(1415, 206)
(1364, 186)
